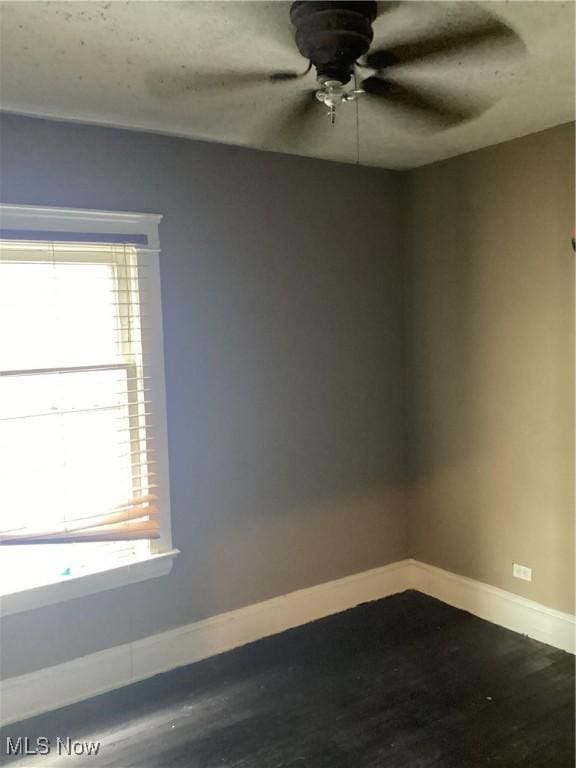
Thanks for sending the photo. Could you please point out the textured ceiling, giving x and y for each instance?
(161, 66)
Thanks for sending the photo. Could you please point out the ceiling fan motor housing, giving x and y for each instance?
(333, 35)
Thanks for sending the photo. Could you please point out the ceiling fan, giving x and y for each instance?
(335, 38)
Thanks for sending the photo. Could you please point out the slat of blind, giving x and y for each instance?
(65, 248)
(120, 466)
(119, 532)
(54, 270)
(111, 238)
(79, 369)
(144, 392)
(109, 284)
(44, 256)
(72, 411)
(46, 304)
(135, 323)
(138, 500)
(89, 521)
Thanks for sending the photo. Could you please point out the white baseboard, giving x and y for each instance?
(53, 687)
(496, 605)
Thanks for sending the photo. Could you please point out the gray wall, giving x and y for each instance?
(490, 307)
(283, 346)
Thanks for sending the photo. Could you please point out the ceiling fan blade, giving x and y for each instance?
(297, 122)
(169, 84)
(491, 33)
(278, 77)
(438, 112)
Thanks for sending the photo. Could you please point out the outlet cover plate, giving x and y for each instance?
(522, 572)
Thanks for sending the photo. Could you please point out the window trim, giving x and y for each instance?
(28, 219)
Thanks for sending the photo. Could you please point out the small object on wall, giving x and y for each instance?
(522, 572)
(574, 240)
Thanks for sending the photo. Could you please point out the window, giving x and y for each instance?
(82, 415)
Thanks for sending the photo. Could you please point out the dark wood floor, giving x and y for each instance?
(403, 682)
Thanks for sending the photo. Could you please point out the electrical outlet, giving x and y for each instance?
(522, 572)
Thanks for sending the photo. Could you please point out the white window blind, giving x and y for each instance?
(76, 454)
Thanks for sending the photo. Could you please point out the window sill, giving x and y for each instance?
(72, 587)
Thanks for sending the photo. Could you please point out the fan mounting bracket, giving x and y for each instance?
(333, 35)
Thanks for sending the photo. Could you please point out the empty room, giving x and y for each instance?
(287, 384)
